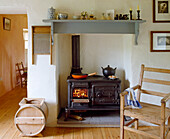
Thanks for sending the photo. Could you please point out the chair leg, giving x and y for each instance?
(162, 126)
(162, 131)
(122, 126)
(21, 83)
(136, 124)
(122, 118)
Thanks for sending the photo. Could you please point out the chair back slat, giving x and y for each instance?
(153, 93)
(22, 72)
(157, 70)
(20, 68)
(156, 81)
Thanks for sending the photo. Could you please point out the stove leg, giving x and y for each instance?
(67, 113)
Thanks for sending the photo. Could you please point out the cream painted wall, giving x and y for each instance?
(45, 80)
(142, 54)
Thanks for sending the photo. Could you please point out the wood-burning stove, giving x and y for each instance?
(93, 93)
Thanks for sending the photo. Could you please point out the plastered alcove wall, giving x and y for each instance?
(48, 81)
(107, 50)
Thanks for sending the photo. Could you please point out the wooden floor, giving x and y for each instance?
(9, 106)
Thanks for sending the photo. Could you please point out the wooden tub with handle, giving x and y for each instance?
(31, 117)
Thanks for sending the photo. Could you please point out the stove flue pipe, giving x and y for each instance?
(75, 54)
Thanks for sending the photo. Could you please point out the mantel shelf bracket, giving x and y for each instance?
(52, 33)
(95, 26)
(136, 33)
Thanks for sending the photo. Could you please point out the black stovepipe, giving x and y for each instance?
(75, 54)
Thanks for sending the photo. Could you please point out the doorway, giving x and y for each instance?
(12, 49)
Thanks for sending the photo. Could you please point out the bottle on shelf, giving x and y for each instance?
(103, 17)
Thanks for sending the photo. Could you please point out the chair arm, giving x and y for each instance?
(166, 98)
(124, 93)
(136, 87)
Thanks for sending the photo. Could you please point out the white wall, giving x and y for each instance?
(142, 54)
(119, 50)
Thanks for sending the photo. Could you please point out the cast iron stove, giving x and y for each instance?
(93, 93)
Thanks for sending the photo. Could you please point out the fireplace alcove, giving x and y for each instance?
(66, 25)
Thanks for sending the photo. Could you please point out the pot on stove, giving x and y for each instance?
(108, 71)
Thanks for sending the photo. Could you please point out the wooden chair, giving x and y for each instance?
(22, 74)
(150, 113)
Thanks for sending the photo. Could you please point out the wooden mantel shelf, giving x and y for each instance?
(95, 27)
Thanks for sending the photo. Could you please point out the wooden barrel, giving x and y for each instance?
(31, 117)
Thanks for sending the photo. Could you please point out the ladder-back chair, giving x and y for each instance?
(22, 74)
(150, 113)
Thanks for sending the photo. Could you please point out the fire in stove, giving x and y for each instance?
(80, 93)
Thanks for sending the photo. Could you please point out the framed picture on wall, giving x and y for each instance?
(160, 41)
(161, 11)
(6, 24)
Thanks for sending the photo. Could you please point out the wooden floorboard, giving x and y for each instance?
(9, 106)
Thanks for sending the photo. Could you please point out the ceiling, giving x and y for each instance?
(12, 10)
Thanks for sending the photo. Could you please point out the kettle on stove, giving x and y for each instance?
(108, 71)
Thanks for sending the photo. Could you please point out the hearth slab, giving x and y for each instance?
(93, 119)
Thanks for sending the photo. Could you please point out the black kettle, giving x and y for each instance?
(108, 71)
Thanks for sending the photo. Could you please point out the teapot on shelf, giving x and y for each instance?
(108, 71)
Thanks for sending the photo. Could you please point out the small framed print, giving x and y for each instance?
(161, 11)
(160, 41)
(6, 24)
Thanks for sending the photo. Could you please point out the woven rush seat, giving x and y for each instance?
(148, 113)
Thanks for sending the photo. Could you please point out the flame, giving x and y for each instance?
(80, 93)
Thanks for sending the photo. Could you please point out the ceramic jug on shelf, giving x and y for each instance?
(51, 13)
